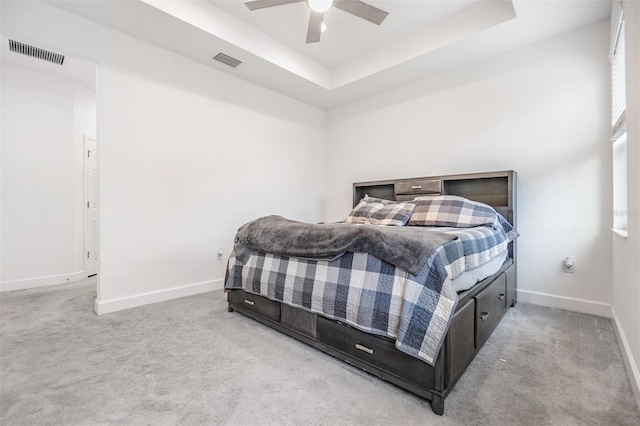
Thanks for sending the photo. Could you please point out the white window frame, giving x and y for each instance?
(618, 122)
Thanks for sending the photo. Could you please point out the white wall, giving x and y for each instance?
(626, 252)
(542, 111)
(44, 117)
(186, 155)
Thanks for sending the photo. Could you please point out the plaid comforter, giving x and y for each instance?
(477, 245)
(370, 294)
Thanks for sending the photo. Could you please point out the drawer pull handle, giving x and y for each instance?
(249, 302)
(364, 349)
(416, 187)
(501, 296)
(484, 316)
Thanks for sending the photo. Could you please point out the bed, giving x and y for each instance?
(411, 312)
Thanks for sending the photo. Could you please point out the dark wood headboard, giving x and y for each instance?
(497, 189)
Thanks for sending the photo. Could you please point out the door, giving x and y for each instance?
(91, 202)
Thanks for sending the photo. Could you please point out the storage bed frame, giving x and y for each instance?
(478, 312)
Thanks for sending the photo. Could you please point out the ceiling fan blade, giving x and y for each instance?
(262, 4)
(315, 27)
(362, 10)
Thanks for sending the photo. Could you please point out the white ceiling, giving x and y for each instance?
(354, 58)
(288, 25)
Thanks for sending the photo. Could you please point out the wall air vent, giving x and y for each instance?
(36, 52)
(227, 60)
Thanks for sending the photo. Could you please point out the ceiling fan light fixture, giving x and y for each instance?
(320, 6)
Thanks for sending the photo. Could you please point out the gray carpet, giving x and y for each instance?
(189, 361)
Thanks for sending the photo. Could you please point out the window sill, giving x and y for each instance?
(622, 233)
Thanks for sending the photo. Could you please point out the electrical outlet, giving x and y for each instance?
(220, 253)
(568, 265)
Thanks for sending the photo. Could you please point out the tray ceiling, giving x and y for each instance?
(354, 58)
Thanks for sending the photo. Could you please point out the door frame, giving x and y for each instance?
(85, 145)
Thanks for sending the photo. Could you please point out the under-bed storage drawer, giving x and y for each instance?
(258, 304)
(298, 319)
(490, 305)
(461, 340)
(377, 351)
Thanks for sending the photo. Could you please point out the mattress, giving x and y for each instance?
(471, 277)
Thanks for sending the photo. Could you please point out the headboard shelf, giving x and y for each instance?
(497, 189)
(384, 190)
(493, 191)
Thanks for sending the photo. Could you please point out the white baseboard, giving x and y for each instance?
(568, 303)
(42, 281)
(627, 356)
(113, 305)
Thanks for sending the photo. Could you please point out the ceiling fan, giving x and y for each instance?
(318, 9)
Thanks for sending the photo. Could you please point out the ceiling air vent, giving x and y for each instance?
(227, 60)
(35, 52)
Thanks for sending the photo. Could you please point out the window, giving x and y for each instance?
(618, 123)
(618, 86)
(620, 212)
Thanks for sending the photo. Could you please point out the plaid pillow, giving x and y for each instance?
(376, 211)
(451, 210)
(360, 212)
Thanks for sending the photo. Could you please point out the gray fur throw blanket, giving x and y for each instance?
(405, 247)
